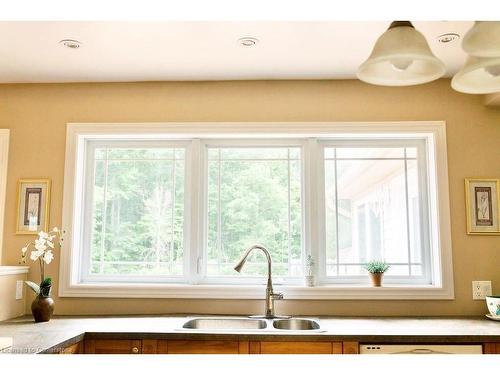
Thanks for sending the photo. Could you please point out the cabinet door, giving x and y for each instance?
(299, 347)
(350, 347)
(113, 346)
(73, 349)
(201, 347)
(491, 348)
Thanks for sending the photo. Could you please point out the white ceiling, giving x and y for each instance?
(165, 51)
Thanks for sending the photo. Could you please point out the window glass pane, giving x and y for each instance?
(331, 213)
(372, 152)
(397, 270)
(417, 270)
(329, 152)
(351, 270)
(411, 152)
(366, 208)
(331, 269)
(414, 212)
(241, 153)
(254, 196)
(138, 213)
(140, 153)
(374, 190)
(100, 153)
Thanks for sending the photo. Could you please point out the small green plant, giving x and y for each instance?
(45, 287)
(376, 266)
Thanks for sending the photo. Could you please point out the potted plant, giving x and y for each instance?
(42, 248)
(376, 268)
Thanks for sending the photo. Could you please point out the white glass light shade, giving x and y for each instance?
(483, 39)
(401, 57)
(478, 76)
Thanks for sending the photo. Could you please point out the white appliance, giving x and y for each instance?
(420, 349)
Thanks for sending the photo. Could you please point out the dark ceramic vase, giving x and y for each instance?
(42, 306)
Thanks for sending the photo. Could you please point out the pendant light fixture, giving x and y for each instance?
(483, 39)
(481, 72)
(401, 57)
(480, 75)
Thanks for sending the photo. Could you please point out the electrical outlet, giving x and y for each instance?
(19, 289)
(481, 289)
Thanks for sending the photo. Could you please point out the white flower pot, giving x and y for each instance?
(309, 280)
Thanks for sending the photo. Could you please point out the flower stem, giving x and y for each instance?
(42, 270)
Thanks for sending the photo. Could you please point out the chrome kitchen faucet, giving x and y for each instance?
(270, 295)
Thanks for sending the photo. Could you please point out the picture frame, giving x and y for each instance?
(33, 205)
(482, 197)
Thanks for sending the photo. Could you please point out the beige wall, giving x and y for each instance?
(9, 306)
(37, 115)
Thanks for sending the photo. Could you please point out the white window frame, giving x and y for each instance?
(4, 163)
(428, 253)
(434, 133)
(86, 212)
(247, 143)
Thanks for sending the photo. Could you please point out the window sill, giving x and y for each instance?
(326, 292)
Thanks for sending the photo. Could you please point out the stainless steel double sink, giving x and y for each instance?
(249, 324)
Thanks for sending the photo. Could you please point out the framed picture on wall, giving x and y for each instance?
(482, 196)
(33, 203)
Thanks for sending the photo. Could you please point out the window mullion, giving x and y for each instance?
(104, 215)
(313, 193)
(336, 187)
(219, 214)
(172, 223)
(194, 202)
(428, 254)
(289, 242)
(407, 203)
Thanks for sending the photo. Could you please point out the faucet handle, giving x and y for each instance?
(277, 295)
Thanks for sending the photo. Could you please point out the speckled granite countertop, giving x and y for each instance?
(62, 331)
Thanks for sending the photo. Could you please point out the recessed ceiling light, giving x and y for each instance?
(248, 41)
(448, 38)
(70, 43)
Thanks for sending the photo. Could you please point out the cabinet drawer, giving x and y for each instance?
(113, 346)
(202, 347)
(303, 347)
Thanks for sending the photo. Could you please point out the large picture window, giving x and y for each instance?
(152, 211)
(375, 200)
(135, 208)
(254, 196)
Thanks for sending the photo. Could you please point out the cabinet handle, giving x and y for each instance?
(135, 350)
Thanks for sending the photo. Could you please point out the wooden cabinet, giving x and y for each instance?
(202, 347)
(491, 348)
(73, 349)
(350, 347)
(113, 346)
(151, 346)
(295, 347)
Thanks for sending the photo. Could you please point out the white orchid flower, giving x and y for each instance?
(36, 254)
(43, 235)
(50, 244)
(40, 245)
(24, 250)
(55, 229)
(40, 241)
(48, 256)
